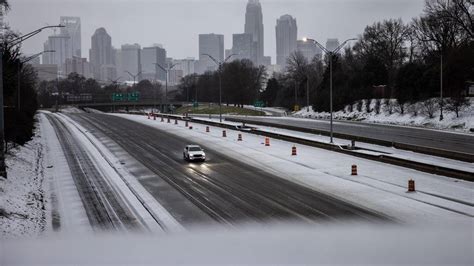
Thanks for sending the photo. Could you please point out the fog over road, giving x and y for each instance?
(222, 188)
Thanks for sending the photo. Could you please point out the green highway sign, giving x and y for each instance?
(133, 96)
(128, 97)
(117, 97)
(259, 104)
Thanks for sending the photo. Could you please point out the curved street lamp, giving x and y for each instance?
(219, 64)
(167, 70)
(330, 54)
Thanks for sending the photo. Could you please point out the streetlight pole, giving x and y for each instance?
(167, 70)
(219, 64)
(13, 42)
(441, 88)
(307, 93)
(331, 55)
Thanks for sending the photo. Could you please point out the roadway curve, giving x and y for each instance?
(448, 141)
(224, 188)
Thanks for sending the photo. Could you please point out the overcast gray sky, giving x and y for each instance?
(177, 23)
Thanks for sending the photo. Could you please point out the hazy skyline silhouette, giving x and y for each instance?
(176, 24)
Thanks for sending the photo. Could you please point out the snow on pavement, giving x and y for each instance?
(379, 187)
(139, 199)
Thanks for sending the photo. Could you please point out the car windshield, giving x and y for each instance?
(195, 149)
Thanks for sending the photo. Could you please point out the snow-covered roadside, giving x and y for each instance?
(22, 195)
(127, 186)
(463, 123)
(379, 187)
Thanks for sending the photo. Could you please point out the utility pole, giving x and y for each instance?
(219, 64)
(307, 93)
(331, 55)
(441, 88)
(167, 70)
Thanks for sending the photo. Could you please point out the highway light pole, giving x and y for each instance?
(13, 42)
(331, 55)
(219, 64)
(441, 88)
(167, 70)
(18, 95)
(133, 76)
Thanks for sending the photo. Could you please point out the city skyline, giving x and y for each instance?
(311, 22)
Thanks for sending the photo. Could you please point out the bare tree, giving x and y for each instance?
(429, 107)
(459, 12)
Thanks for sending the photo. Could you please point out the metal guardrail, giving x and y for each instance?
(415, 148)
(345, 149)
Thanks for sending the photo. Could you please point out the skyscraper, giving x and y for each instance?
(286, 35)
(309, 50)
(131, 61)
(254, 26)
(150, 56)
(332, 44)
(61, 44)
(101, 52)
(243, 47)
(73, 29)
(212, 44)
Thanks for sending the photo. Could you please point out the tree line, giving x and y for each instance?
(390, 59)
(19, 94)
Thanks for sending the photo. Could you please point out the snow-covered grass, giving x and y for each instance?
(378, 186)
(22, 196)
(415, 114)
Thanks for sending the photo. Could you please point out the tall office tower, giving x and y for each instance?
(101, 52)
(73, 29)
(309, 49)
(150, 56)
(61, 44)
(243, 47)
(131, 62)
(286, 35)
(254, 26)
(212, 44)
(332, 44)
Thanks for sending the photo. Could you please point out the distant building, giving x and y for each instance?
(332, 44)
(61, 44)
(108, 73)
(46, 72)
(130, 58)
(185, 65)
(254, 26)
(243, 47)
(267, 60)
(175, 76)
(101, 52)
(212, 44)
(309, 49)
(286, 35)
(73, 29)
(150, 56)
(77, 65)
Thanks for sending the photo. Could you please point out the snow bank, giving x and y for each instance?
(22, 197)
(414, 115)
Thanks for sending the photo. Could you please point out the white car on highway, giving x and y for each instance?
(194, 153)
